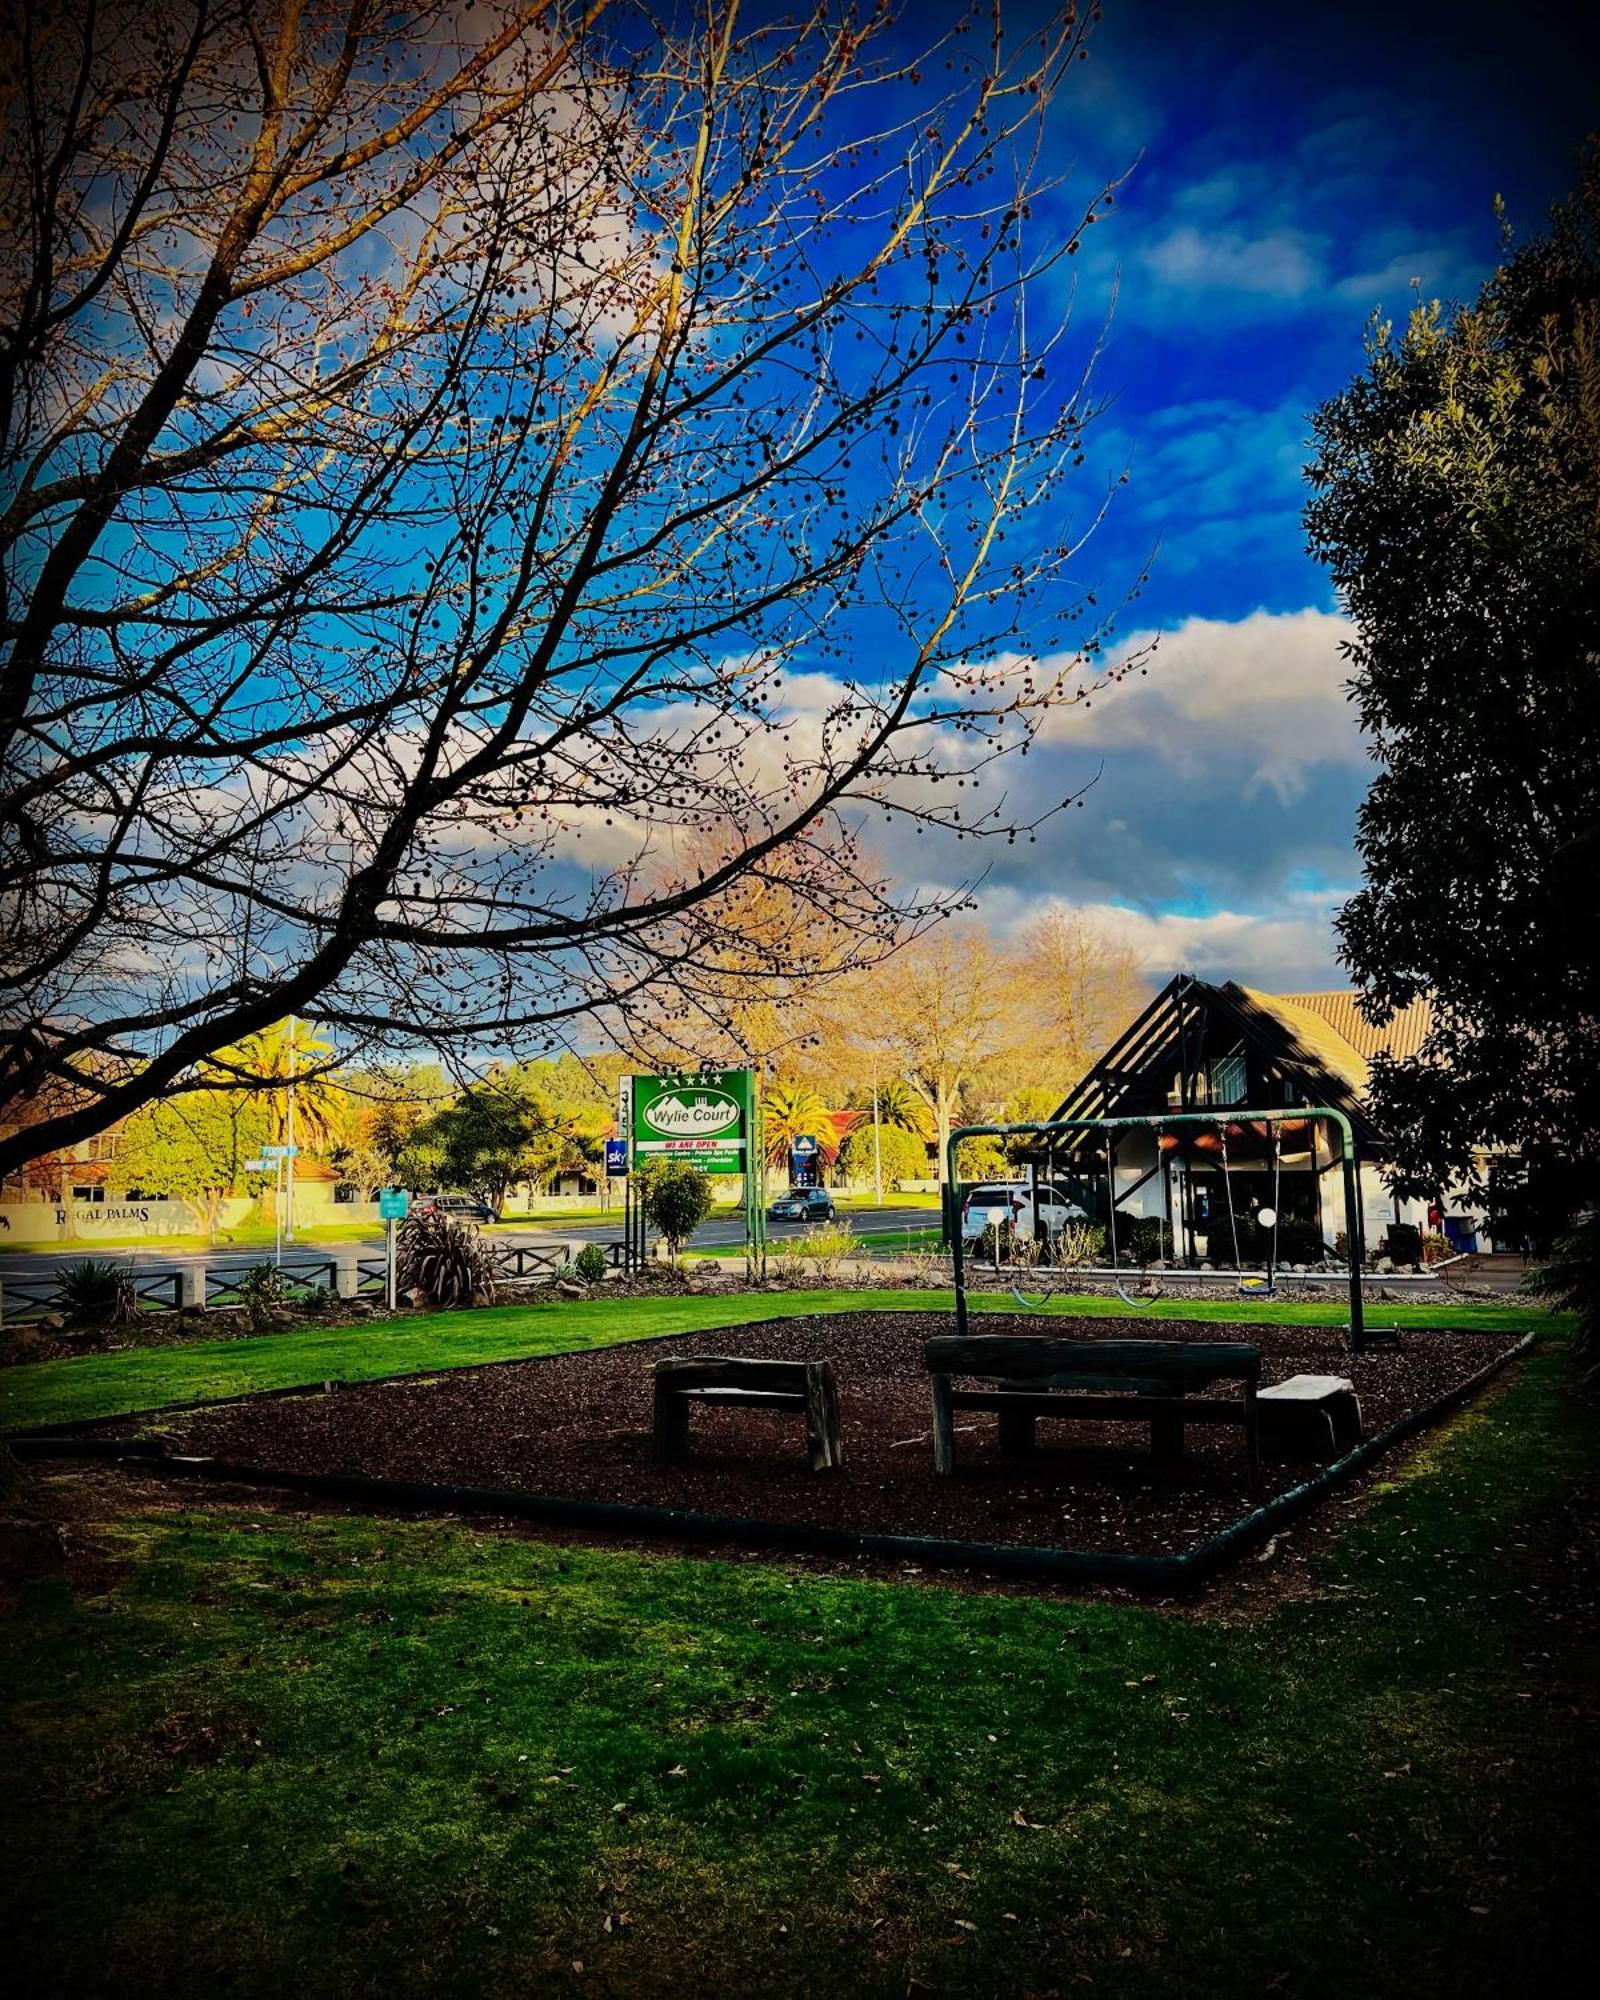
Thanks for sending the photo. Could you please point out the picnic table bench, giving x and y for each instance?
(1310, 1416)
(1028, 1376)
(804, 1387)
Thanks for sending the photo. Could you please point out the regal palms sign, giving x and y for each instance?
(706, 1117)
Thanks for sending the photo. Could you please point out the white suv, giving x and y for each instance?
(1012, 1201)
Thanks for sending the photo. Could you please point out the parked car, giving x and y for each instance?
(1015, 1198)
(459, 1207)
(803, 1205)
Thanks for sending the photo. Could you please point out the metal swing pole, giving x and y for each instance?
(1233, 1220)
(1166, 1197)
(1111, 1197)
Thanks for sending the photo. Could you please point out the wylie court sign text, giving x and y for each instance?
(705, 1116)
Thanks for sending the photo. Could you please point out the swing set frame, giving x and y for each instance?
(1158, 1122)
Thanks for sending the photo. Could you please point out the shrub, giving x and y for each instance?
(996, 1245)
(1298, 1242)
(1436, 1247)
(818, 1251)
(261, 1291)
(447, 1262)
(97, 1292)
(1079, 1243)
(1405, 1243)
(1002, 1243)
(1141, 1239)
(904, 1154)
(677, 1199)
(591, 1263)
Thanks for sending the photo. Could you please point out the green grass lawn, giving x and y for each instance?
(145, 1378)
(253, 1751)
(903, 1239)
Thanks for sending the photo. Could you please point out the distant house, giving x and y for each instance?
(1227, 1048)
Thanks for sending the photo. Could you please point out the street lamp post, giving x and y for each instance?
(288, 1194)
(877, 1141)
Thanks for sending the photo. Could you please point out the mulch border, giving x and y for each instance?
(1165, 1575)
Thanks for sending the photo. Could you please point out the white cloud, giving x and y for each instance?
(1249, 705)
(1288, 948)
(1279, 263)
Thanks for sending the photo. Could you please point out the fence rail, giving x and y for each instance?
(25, 1301)
(161, 1292)
(225, 1288)
(29, 1299)
(535, 1260)
(372, 1277)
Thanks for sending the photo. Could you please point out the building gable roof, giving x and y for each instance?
(1318, 1041)
(1401, 1036)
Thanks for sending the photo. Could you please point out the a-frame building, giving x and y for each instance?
(1226, 1048)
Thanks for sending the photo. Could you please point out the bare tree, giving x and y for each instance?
(1084, 986)
(945, 1011)
(453, 455)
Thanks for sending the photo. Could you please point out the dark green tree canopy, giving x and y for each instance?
(1457, 504)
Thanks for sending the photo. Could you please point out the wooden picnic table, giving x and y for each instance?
(1028, 1376)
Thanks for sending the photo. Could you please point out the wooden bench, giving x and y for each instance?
(1143, 1381)
(1310, 1416)
(804, 1387)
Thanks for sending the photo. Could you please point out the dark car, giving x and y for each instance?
(803, 1205)
(459, 1207)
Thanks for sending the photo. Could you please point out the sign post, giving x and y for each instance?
(392, 1206)
(280, 1156)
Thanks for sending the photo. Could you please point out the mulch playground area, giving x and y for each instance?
(579, 1426)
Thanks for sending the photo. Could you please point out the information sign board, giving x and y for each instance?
(705, 1116)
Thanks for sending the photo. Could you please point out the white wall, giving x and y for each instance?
(85, 1221)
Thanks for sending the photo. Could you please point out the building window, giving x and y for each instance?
(1229, 1080)
(88, 1194)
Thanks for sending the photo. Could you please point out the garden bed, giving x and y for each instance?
(578, 1427)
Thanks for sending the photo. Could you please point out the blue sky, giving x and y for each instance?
(1294, 172)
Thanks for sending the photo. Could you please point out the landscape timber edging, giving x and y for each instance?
(1167, 1575)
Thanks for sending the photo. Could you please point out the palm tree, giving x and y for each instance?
(792, 1111)
(899, 1104)
(267, 1061)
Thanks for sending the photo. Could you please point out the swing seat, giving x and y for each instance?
(1255, 1288)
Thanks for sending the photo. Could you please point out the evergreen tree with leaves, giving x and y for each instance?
(1457, 504)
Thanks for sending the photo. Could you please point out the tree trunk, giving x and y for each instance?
(942, 1108)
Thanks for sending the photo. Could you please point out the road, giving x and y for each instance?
(151, 1260)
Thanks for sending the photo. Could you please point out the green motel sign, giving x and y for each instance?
(704, 1116)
